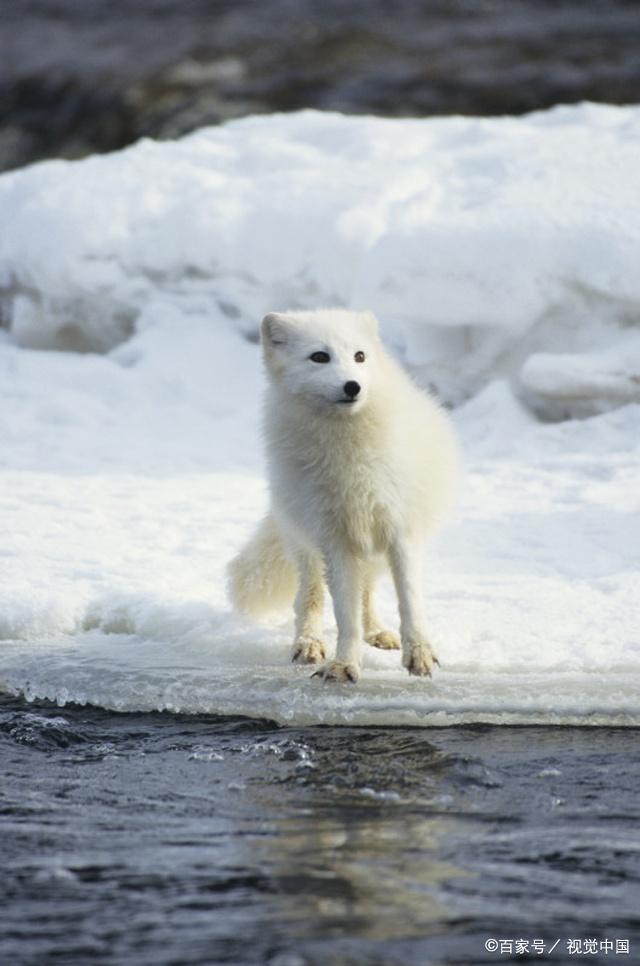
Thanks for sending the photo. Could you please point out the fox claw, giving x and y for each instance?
(419, 660)
(385, 640)
(308, 650)
(337, 671)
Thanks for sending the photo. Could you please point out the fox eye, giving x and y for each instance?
(320, 357)
(359, 357)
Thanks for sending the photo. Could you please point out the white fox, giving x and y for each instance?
(361, 464)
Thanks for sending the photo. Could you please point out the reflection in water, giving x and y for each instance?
(372, 878)
(160, 839)
(357, 850)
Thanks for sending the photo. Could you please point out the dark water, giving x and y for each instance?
(173, 840)
(78, 76)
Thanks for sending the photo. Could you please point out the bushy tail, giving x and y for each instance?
(261, 579)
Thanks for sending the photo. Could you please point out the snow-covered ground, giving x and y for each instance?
(502, 259)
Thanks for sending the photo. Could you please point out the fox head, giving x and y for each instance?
(326, 358)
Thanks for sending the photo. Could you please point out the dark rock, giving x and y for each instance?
(79, 76)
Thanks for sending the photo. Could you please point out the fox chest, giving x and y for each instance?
(350, 500)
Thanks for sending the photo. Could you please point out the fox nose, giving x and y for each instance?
(351, 389)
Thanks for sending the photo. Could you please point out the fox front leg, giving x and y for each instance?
(344, 577)
(405, 560)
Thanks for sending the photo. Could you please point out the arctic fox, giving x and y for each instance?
(361, 464)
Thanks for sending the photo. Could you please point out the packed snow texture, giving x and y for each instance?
(502, 259)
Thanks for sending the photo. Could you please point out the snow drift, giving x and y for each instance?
(486, 245)
(501, 256)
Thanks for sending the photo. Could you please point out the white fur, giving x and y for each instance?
(354, 487)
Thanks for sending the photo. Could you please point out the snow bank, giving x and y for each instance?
(488, 247)
(498, 254)
(112, 589)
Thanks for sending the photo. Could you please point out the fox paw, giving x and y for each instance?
(308, 650)
(338, 671)
(419, 660)
(385, 640)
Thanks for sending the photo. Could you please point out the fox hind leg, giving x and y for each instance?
(374, 633)
(308, 646)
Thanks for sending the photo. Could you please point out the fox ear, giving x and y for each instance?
(370, 322)
(275, 328)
